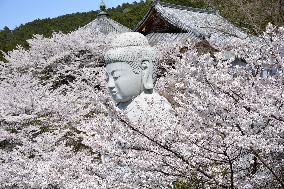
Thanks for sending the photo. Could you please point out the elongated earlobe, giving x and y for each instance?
(147, 77)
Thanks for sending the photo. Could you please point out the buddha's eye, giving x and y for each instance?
(116, 75)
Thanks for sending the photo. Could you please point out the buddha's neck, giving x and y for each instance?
(123, 105)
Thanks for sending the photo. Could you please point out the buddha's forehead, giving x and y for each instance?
(115, 66)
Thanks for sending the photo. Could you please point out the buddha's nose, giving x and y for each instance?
(110, 83)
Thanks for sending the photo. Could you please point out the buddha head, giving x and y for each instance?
(130, 66)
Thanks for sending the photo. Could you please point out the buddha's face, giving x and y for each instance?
(123, 83)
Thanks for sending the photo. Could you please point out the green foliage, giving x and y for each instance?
(129, 14)
(193, 183)
(254, 15)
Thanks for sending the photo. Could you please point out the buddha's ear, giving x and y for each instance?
(147, 76)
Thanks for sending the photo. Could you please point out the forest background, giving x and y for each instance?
(250, 15)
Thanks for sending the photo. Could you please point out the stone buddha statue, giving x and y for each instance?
(131, 65)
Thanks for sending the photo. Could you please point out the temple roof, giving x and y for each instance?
(105, 24)
(201, 23)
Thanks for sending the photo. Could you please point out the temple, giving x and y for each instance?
(180, 23)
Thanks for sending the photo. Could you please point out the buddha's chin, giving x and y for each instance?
(120, 99)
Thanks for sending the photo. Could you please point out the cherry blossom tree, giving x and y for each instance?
(46, 92)
(231, 117)
(60, 128)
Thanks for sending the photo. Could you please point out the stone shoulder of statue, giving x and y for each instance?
(150, 108)
(131, 65)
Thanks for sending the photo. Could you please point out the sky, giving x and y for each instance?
(16, 12)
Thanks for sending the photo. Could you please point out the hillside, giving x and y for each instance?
(252, 15)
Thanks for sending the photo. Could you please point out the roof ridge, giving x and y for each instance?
(182, 7)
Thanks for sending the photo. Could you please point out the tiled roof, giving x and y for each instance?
(155, 38)
(106, 25)
(200, 22)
